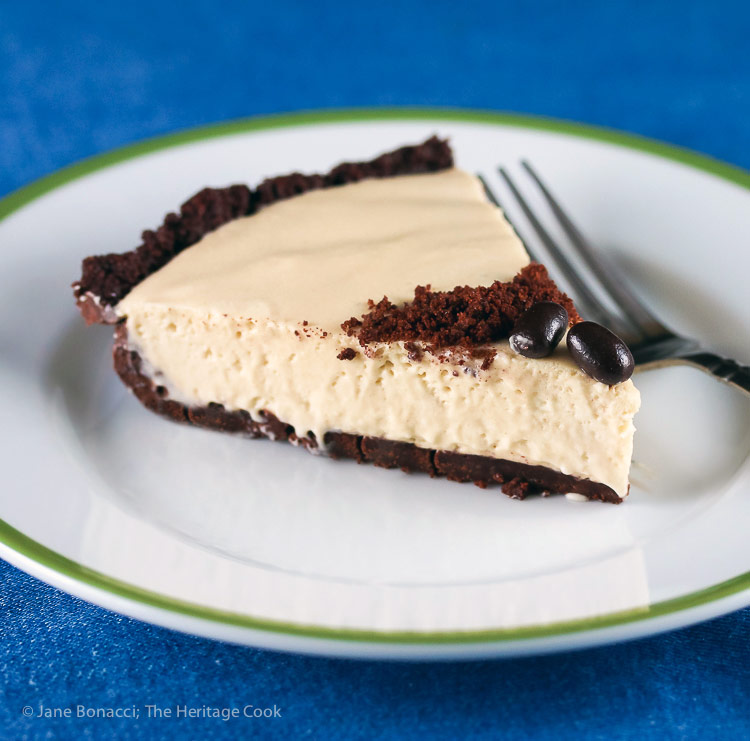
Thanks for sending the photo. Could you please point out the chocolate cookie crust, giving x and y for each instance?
(106, 279)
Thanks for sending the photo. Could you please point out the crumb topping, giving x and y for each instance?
(348, 353)
(465, 317)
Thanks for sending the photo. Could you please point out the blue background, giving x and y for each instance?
(79, 78)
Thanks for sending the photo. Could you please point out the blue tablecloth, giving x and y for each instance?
(82, 77)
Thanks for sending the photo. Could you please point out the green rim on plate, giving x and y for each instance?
(28, 548)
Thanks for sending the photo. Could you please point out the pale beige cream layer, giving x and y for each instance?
(320, 256)
(223, 322)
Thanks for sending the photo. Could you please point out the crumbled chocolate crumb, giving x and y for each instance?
(414, 351)
(487, 356)
(466, 316)
(516, 488)
(487, 362)
(348, 353)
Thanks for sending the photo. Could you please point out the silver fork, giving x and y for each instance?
(651, 342)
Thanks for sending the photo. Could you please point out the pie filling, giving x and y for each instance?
(250, 317)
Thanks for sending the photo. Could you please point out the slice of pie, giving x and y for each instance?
(363, 314)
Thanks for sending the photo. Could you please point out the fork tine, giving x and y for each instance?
(493, 199)
(590, 304)
(602, 267)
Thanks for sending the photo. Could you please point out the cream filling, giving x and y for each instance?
(320, 256)
(224, 322)
(544, 412)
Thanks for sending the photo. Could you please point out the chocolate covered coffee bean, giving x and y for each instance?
(600, 353)
(539, 329)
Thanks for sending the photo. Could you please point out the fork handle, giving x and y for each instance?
(729, 371)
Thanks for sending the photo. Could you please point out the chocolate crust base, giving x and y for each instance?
(517, 480)
(106, 279)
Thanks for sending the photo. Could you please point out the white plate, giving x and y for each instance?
(259, 543)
